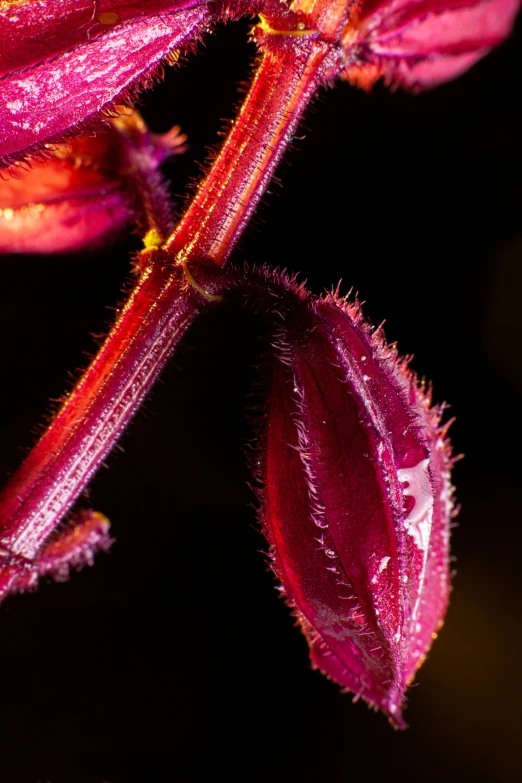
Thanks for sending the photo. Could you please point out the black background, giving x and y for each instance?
(172, 659)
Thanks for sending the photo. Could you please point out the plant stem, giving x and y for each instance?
(162, 305)
(94, 415)
(282, 87)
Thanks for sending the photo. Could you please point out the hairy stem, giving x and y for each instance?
(282, 87)
(96, 412)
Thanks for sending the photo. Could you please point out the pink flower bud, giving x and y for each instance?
(422, 43)
(357, 497)
(87, 190)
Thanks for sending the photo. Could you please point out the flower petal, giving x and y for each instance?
(62, 67)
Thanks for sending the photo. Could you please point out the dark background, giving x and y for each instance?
(172, 659)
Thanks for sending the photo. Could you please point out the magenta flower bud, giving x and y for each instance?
(422, 43)
(357, 498)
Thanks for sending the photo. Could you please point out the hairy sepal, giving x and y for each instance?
(71, 548)
(357, 499)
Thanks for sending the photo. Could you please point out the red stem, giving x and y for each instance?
(282, 88)
(162, 305)
(98, 409)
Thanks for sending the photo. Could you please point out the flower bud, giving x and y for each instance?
(357, 498)
(88, 189)
(422, 43)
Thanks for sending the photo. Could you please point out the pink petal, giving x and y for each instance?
(66, 73)
(34, 31)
